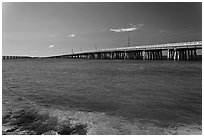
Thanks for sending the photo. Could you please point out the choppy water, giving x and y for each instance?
(164, 91)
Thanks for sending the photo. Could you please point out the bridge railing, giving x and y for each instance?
(180, 44)
(157, 46)
(169, 45)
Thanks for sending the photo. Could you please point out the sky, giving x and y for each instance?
(51, 28)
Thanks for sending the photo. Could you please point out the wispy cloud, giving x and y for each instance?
(130, 29)
(72, 35)
(33, 50)
(164, 31)
(51, 46)
(141, 25)
(52, 36)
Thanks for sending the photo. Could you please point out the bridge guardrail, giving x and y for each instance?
(178, 44)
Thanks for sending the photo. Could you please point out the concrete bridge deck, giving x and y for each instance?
(175, 51)
(194, 44)
(15, 57)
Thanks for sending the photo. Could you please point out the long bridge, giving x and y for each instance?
(175, 51)
(15, 57)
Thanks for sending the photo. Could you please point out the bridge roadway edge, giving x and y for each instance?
(175, 51)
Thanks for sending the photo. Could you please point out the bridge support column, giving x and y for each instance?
(134, 55)
(169, 54)
(114, 55)
(140, 55)
(184, 54)
(191, 54)
(148, 55)
(195, 54)
(160, 55)
(156, 55)
(175, 54)
(104, 55)
(124, 55)
(111, 55)
(144, 54)
(187, 54)
(178, 55)
(117, 55)
(137, 55)
(153, 55)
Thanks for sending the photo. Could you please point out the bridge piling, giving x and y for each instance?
(175, 54)
(175, 51)
(195, 54)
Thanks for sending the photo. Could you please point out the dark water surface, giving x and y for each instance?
(165, 91)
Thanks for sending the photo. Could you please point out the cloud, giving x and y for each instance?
(141, 25)
(124, 29)
(51, 46)
(164, 31)
(72, 35)
(34, 51)
(132, 28)
(52, 36)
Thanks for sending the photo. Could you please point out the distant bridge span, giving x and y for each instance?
(15, 57)
(176, 51)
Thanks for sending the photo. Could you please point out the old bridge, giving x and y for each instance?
(175, 51)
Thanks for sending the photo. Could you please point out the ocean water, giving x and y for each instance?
(151, 91)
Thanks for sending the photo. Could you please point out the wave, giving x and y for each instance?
(21, 116)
